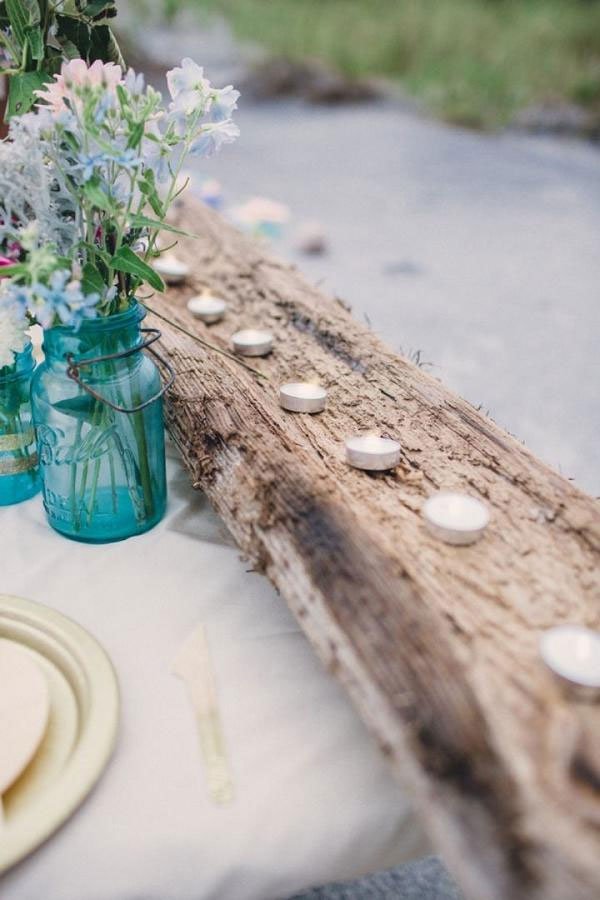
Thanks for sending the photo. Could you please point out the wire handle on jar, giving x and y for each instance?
(74, 365)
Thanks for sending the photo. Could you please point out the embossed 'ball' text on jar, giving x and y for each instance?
(19, 476)
(98, 414)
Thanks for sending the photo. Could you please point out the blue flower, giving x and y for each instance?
(18, 296)
(89, 162)
(127, 159)
(62, 299)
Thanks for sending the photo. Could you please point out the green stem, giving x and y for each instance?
(139, 432)
(93, 490)
(111, 464)
(73, 478)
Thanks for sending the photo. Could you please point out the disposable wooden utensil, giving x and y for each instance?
(24, 709)
(193, 665)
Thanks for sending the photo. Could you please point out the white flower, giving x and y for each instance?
(188, 77)
(191, 92)
(134, 84)
(213, 136)
(29, 235)
(223, 103)
(12, 331)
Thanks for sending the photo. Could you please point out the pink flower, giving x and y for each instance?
(76, 76)
(5, 262)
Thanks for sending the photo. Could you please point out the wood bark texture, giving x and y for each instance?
(436, 645)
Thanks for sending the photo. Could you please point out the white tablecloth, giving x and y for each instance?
(313, 799)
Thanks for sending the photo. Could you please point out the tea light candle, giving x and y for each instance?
(252, 342)
(572, 653)
(172, 269)
(211, 193)
(206, 307)
(456, 518)
(302, 397)
(372, 453)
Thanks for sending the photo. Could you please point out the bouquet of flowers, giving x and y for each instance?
(85, 171)
(86, 183)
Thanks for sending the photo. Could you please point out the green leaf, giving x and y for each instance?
(71, 32)
(122, 96)
(139, 221)
(96, 196)
(19, 19)
(32, 8)
(96, 7)
(68, 48)
(91, 280)
(137, 133)
(21, 97)
(11, 271)
(148, 188)
(104, 46)
(81, 407)
(126, 261)
(35, 40)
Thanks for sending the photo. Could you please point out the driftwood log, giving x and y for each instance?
(436, 645)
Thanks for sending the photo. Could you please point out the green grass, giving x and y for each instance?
(474, 62)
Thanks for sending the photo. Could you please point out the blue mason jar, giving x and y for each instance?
(98, 413)
(19, 477)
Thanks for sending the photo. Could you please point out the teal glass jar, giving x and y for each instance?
(19, 476)
(98, 413)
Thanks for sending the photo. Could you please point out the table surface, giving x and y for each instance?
(313, 800)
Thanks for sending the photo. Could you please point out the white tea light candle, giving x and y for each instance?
(456, 518)
(171, 269)
(372, 453)
(206, 307)
(252, 342)
(572, 652)
(302, 397)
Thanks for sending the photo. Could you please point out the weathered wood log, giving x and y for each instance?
(437, 645)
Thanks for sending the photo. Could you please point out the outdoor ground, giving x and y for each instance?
(473, 62)
(480, 251)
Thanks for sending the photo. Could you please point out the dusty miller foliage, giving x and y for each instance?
(31, 192)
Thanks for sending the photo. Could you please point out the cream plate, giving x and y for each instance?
(24, 707)
(81, 726)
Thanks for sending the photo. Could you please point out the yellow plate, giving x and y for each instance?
(81, 731)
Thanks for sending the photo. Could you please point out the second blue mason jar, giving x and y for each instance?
(19, 478)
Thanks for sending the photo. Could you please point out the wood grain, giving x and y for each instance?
(436, 645)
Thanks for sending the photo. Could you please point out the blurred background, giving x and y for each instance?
(436, 164)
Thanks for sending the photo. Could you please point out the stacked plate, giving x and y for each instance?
(59, 709)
